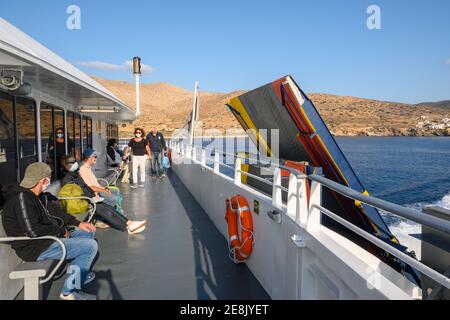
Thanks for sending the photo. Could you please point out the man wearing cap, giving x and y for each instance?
(110, 197)
(27, 213)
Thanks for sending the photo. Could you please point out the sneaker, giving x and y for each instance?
(78, 295)
(135, 225)
(142, 185)
(154, 177)
(101, 225)
(137, 230)
(133, 186)
(89, 278)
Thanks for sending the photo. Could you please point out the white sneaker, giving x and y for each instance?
(78, 295)
(134, 226)
(137, 230)
(142, 185)
(101, 225)
(133, 186)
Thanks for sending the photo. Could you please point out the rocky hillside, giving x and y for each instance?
(166, 107)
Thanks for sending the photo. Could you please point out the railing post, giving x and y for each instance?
(194, 153)
(293, 194)
(294, 207)
(203, 160)
(315, 198)
(237, 171)
(217, 162)
(302, 212)
(276, 190)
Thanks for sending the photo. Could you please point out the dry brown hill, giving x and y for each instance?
(166, 107)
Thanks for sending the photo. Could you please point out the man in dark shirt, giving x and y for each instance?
(157, 146)
(27, 212)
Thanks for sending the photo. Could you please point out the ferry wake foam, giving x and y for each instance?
(303, 136)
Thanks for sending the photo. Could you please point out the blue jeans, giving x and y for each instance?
(156, 163)
(82, 249)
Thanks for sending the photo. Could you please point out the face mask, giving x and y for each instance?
(45, 186)
(74, 167)
(138, 135)
(60, 135)
(94, 161)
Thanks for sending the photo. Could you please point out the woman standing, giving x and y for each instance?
(140, 154)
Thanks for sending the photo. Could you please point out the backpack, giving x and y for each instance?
(76, 206)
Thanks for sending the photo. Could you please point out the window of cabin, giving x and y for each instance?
(52, 120)
(87, 133)
(18, 143)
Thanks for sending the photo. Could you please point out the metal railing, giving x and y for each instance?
(315, 207)
(407, 213)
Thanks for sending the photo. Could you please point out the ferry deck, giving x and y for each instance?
(181, 255)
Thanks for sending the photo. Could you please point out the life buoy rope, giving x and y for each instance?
(240, 247)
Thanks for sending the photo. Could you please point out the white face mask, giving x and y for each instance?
(45, 186)
(138, 135)
(74, 167)
(60, 135)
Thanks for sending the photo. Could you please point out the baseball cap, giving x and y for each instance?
(34, 173)
(89, 153)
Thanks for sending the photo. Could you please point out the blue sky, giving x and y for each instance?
(229, 45)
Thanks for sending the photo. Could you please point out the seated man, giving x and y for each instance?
(107, 213)
(26, 214)
(111, 197)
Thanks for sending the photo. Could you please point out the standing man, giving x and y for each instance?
(157, 145)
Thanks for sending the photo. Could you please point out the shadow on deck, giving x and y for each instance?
(181, 254)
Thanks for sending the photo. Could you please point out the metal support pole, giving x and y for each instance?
(138, 94)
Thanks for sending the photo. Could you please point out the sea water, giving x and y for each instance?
(410, 171)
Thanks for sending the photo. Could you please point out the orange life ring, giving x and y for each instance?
(240, 247)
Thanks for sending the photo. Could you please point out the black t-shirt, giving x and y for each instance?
(138, 148)
(60, 148)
